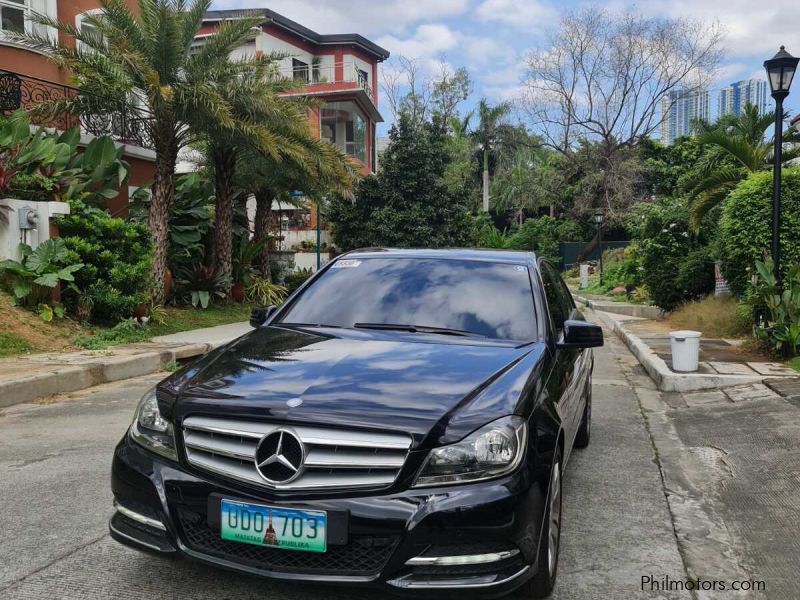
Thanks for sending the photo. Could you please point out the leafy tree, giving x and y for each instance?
(735, 146)
(408, 203)
(666, 166)
(147, 53)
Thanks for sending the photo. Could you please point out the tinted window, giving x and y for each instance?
(489, 299)
(559, 303)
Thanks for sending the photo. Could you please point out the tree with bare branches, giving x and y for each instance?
(411, 91)
(602, 79)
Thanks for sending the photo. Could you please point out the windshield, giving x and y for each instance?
(493, 300)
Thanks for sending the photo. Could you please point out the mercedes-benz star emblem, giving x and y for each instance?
(279, 457)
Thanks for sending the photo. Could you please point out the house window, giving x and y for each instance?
(300, 69)
(13, 14)
(83, 25)
(342, 124)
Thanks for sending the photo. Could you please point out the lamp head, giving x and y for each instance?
(780, 72)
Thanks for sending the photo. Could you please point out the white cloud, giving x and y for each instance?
(427, 41)
(367, 17)
(752, 28)
(480, 51)
(522, 14)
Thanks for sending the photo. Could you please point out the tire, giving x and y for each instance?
(542, 584)
(583, 435)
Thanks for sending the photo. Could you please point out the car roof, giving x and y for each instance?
(482, 254)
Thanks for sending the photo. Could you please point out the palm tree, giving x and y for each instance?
(148, 54)
(485, 136)
(737, 146)
(320, 169)
(267, 124)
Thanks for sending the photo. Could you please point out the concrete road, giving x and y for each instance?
(55, 502)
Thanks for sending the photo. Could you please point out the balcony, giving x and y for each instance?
(336, 77)
(123, 122)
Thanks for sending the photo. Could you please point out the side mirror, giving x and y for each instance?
(580, 334)
(260, 314)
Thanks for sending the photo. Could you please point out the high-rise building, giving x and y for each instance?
(732, 99)
(679, 109)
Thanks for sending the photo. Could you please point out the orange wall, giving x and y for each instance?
(141, 172)
(36, 64)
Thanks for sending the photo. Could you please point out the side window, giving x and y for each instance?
(559, 302)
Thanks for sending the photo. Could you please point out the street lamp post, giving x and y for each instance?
(599, 217)
(780, 71)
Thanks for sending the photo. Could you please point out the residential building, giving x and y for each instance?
(732, 99)
(27, 78)
(339, 70)
(679, 109)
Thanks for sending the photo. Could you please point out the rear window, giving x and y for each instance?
(488, 299)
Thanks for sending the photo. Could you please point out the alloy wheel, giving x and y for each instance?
(554, 524)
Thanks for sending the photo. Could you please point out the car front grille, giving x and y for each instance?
(362, 556)
(335, 458)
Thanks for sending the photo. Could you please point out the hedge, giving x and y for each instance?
(746, 226)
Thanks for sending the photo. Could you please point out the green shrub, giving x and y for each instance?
(125, 332)
(662, 232)
(117, 260)
(264, 292)
(781, 329)
(295, 279)
(696, 274)
(746, 226)
(542, 236)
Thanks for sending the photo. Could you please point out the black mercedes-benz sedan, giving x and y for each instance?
(402, 421)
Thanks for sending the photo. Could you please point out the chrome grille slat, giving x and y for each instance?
(335, 458)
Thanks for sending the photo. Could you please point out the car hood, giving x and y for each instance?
(351, 378)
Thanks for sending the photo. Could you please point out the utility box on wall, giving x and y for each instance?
(26, 222)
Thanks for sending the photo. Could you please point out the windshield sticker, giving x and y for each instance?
(520, 268)
(346, 263)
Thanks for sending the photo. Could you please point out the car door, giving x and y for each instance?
(559, 308)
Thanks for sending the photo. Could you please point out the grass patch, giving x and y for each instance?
(11, 344)
(715, 316)
(794, 363)
(175, 321)
(184, 319)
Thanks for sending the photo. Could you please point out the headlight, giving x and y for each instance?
(151, 430)
(491, 451)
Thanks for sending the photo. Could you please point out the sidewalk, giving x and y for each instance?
(29, 377)
(723, 362)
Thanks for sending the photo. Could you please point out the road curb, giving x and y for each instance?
(621, 308)
(94, 372)
(664, 378)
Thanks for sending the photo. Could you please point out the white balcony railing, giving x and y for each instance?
(310, 74)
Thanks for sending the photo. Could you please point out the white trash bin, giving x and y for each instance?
(584, 277)
(685, 350)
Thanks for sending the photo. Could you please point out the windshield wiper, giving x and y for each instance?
(309, 325)
(418, 329)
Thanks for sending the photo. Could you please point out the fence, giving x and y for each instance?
(569, 251)
(123, 122)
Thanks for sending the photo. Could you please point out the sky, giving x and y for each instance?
(492, 37)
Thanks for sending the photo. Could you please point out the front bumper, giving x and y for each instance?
(484, 535)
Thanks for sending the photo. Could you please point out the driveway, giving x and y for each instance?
(55, 501)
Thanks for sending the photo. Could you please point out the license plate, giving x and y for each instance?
(288, 529)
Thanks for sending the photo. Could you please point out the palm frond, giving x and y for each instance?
(703, 203)
(750, 156)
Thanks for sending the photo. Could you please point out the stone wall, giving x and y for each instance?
(281, 263)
